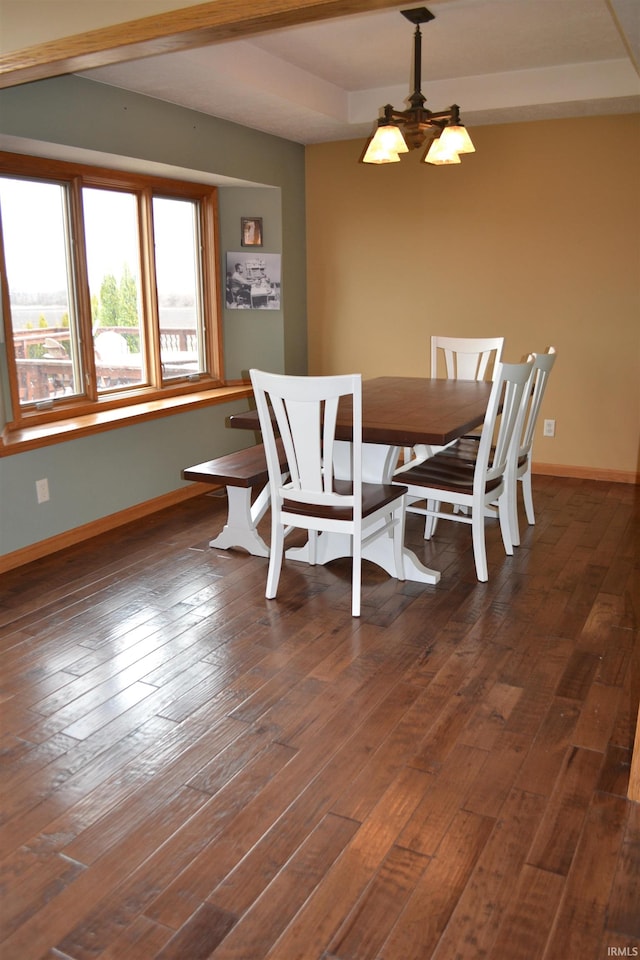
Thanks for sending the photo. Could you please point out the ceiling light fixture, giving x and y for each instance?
(399, 131)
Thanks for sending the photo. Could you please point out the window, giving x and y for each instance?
(109, 287)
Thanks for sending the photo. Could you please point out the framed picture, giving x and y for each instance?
(251, 231)
(253, 280)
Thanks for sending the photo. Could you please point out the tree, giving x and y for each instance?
(118, 305)
(128, 299)
(108, 309)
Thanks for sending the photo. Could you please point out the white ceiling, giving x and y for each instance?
(500, 60)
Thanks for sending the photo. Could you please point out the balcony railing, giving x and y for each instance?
(51, 375)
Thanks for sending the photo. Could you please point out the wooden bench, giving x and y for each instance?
(241, 473)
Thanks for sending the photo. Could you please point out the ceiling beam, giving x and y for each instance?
(180, 29)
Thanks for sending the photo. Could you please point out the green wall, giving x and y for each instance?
(72, 117)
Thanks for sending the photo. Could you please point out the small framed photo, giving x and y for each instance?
(251, 231)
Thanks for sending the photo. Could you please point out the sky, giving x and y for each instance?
(33, 224)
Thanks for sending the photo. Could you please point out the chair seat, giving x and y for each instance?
(466, 449)
(374, 497)
(444, 471)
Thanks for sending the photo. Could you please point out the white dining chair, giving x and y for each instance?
(475, 483)
(466, 358)
(460, 358)
(519, 464)
(304, 411)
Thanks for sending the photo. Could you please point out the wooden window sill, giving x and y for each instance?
(72, 428)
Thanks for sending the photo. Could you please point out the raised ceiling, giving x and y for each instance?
(500, 60)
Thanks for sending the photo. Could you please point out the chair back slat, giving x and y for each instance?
(329, 417)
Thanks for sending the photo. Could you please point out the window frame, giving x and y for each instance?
(75, 176)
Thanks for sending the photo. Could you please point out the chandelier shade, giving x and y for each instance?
(385, 145)
(438, 154)
(457, 139)
(399, 131)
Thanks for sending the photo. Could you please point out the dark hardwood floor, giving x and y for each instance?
(192, 771)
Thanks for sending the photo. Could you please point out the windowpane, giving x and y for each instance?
(40, 281)
(177, 244)
(113, 266)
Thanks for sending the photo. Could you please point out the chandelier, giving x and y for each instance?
(399, 131)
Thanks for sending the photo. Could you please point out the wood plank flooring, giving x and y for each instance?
(191, 771)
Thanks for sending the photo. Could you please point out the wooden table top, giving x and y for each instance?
(404, 411)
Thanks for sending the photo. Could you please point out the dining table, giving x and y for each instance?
(397, 413)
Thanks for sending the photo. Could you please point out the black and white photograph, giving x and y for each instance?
(253, 282)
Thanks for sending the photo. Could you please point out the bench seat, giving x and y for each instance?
(244, 468)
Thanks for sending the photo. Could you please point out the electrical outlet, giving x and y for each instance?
(549, 428)
(42, 490)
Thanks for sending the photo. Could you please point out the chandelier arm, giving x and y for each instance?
(406, 116)
(450, 115)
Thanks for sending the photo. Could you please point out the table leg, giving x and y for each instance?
(378, 464)
(332, 546)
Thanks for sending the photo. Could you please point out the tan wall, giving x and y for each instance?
(536, 237)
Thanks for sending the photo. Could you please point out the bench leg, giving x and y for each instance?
(240, 528)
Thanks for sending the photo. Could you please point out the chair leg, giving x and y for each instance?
(313, 547)
(356, 576)
(398, 542)
(479, 546)
(275, 559)
(431, 522)
(512, 511)
(527, 494)
(504, 515)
